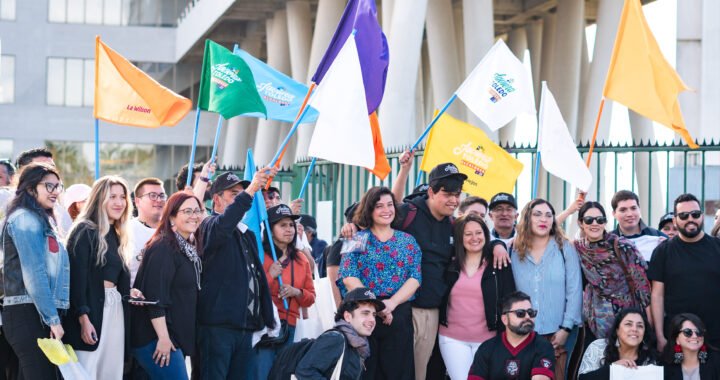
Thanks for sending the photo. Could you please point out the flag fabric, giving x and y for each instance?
(558, 152)
(361, 16)
(640, 78)
(257, 214)
(227, 85)
(126, 95)
(343, 132)
(282, 95)
(490, 169)
(499, 88)
(382, 165)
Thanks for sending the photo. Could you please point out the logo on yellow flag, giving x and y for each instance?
(490, 169)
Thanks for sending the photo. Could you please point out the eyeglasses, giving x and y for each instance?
(689, 333)
(685, 215)
(154, 196)
(520, 313)
(52, 187)
(591, 219)
(191, 211)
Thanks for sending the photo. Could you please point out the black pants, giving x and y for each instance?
(8, 359)
(391, 348)
(22, 326)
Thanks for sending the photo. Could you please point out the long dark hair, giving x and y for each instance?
(364, 211)
(165, 232)
(292, 252)
(26, 193)
(459, 231)
(675, 326)
(646, 351)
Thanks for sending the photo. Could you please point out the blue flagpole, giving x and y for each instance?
(217, 138)
(418, 178)
(268, 233)
(307, 177)
(432, 123)
(536, 177)
(294, 128)
(194, 145)
(97, 148)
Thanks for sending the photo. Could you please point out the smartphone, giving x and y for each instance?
(142, 301)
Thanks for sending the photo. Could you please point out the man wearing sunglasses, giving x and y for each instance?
(518, 352)
(685, 272)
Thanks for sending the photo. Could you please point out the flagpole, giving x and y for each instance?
(194, 144)
(595, 132)
(97, 148)
(307, 177)
(268, 231)
(432, 123)
(536, 178)
(303, 110)
(418, 178)
(217, 138)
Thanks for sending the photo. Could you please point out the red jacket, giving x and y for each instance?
(303, 281)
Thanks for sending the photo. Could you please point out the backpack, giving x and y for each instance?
(287, 360)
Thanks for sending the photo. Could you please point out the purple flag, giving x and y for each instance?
(372, 47)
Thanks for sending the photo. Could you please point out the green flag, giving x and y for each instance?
(227, 85)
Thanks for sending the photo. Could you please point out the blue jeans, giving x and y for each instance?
(570, 345)
(226, 353)
(175, 371)
(266, 356)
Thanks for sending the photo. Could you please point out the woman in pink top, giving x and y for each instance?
(470, 314)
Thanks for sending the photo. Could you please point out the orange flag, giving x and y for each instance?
(640, 78)
(382, 166)
(126, 95)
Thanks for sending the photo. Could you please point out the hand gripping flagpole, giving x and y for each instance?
(432, 123)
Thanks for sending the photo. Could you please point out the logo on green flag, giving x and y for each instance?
(227, 85)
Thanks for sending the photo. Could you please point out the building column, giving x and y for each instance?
(299, 32)
(386, 12)
(397, 113)
(478, 23)
(517, 42)
(546, 64)
(690, 63)
(643, 132)
(710, 112)
(534, 43)
(442, 48)
(268, 131)
(326, 20)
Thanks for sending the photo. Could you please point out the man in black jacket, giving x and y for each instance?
(234, 299)
(355, 321)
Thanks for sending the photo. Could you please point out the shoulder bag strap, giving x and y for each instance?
(338, 366)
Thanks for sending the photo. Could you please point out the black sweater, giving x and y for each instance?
(166, 275)
(87, 291)
(322, 357)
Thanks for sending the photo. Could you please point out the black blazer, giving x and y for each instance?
(495, 284)
(709, 370)
(87, 292)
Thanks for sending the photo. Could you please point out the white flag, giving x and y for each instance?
(499, 88)
(558, 152)
(342, 131)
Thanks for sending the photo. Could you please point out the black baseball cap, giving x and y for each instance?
(271, 189)
(350, 212)
(665, 219)
(445, 170)
(418, 191)
(363, 295)
(501, 198)
(276, 213)
(225, 181)
(308, 221)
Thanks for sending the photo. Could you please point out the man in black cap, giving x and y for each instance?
(667, 226)
(503, 213)
(310, 226)
(235, 299)
(354, 323)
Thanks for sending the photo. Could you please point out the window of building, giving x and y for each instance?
(7, 9)
(70, 82)
(7, 79)
(98, 12)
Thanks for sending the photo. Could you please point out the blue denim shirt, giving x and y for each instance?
(37, 267)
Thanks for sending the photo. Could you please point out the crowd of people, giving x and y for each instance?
(432, 285)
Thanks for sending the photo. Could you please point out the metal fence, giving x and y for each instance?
(656, 172)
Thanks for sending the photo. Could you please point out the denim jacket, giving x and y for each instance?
(36, 267)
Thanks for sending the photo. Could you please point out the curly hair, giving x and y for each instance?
(523, 240)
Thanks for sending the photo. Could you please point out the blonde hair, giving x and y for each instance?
(523, 240)
(95, 216)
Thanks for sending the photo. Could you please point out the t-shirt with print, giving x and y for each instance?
(497, 359)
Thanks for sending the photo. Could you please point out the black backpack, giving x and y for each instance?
(287, 360)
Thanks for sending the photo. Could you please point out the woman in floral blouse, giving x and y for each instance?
(388, 262)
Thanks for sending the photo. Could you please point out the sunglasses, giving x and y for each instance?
(520, 313)
(685, 215)
(591, 219)
(52, 187)
(689, 333)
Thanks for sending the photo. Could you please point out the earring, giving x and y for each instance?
(617, 343)
(678, 357)
(703, 355)
(172, 224)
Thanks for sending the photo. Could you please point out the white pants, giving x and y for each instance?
(106, 362)
(457, 355)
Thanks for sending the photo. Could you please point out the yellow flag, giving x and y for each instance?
(490, 169)
(126, 95)
(640, 78)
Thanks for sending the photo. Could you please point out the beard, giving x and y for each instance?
(523, 328)
(691, 234)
